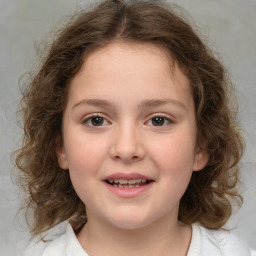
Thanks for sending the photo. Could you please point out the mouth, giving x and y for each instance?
(128, 180)
(128, 183)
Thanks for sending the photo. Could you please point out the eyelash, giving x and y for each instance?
(90, 117)
(161, 116)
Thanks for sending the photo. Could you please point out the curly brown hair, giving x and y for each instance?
(51, 196)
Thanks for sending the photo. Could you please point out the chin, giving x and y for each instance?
(129, 225)
(131, 222)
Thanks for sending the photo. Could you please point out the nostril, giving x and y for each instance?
(127, 150)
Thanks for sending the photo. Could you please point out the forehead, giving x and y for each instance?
(136, 68)
(127, 52)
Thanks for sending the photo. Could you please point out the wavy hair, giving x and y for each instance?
(50, 194)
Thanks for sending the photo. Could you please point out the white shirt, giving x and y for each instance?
(204, 242)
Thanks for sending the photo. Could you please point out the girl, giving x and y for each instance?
(129, 136)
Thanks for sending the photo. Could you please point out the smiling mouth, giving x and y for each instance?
(132, 183)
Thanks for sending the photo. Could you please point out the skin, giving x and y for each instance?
(127, 140)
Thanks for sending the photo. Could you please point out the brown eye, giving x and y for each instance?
(159, 121)
(95, 121)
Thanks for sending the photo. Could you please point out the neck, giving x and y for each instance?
(158, 238)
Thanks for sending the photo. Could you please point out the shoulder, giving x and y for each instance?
(66, 244)
(219, 242)
(55, 247)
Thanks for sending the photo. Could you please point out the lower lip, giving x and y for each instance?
(128, 192)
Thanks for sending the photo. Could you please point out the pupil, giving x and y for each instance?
(97, 121)
(158, 121)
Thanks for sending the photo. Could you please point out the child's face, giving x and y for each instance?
(130, 116)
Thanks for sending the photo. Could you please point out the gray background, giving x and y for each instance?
(230, 28)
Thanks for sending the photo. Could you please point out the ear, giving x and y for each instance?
(61, 154)
(201, 159)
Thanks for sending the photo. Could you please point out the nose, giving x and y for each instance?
(127, 145)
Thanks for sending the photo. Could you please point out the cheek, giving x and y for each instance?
(85, 158)
(176, 153)
(86, 152)
(174, 158)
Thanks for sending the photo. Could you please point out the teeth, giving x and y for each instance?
(122, 183)
(129, 182)
(126, 186)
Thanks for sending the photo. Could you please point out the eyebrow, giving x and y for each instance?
(148, 103)
(160, 102)
(94, 102)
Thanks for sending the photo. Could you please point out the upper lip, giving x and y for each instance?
(127, 176)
